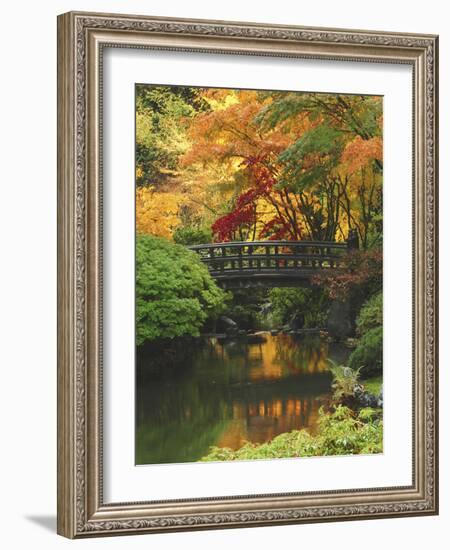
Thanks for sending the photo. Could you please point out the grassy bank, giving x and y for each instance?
(342, 432)
(373, 384)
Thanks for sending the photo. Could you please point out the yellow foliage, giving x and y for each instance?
(220, 99)
(157, 213)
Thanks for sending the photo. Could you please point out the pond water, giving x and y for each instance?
(228, 392)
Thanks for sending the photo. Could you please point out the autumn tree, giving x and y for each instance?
(162, 115)
(259, 165)
(335, 167)
(302, 166)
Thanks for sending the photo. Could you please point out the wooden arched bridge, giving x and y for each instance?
(239, 264)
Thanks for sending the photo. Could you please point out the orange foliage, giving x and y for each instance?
(230, 131)
(232, 178)
(360, 152)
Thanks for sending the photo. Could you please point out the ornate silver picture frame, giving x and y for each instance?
(82, 510)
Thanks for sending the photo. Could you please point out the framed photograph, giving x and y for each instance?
(247, 282)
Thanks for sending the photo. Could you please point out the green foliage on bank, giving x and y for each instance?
(175, 295)
(368, 356)
(244, 307)
(311, 303)
(342, 432)
(371, 314)
(374, 384)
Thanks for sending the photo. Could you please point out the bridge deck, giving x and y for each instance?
(270, 261)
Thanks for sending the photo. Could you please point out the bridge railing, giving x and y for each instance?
(256, 256)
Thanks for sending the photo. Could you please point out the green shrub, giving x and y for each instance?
(244, 307)
(190, 235)
(175, 294)
(342, 432)
(368, 355)
(371, 314)
(311, 303)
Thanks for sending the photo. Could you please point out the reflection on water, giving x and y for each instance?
(230, 392)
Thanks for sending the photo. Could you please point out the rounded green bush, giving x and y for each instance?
(175, 293)
(368, 356)
(371, 314)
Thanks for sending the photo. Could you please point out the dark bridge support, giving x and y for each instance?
(353, 240)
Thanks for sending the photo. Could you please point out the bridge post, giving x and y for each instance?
(240, 264)
(353, 240)
(223, 253)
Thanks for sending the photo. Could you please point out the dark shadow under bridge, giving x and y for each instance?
(240, 264)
